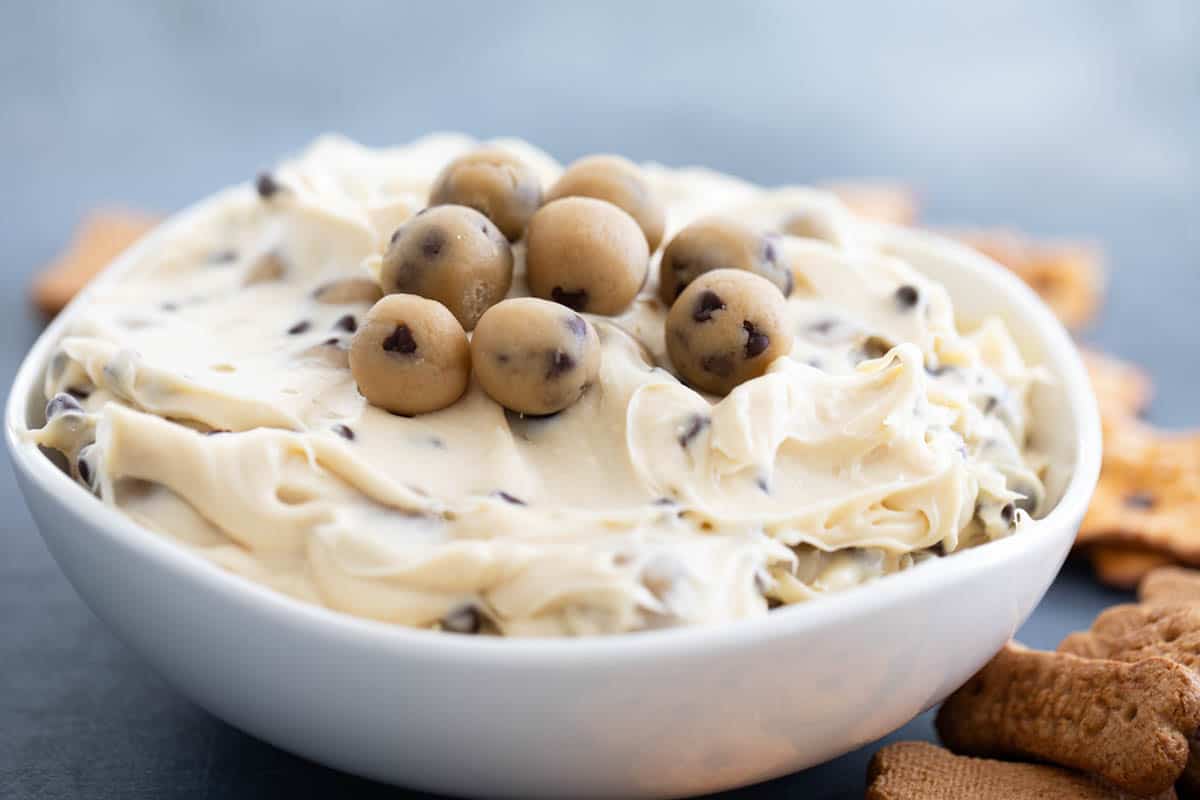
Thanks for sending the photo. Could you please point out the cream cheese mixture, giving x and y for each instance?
(206, 394)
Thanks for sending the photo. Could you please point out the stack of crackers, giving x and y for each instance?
(1112, 713)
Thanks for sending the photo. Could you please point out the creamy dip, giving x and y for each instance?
(208, 397)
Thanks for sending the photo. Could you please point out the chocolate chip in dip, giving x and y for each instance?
(719, 243)
(534, 357)
(495, 183)
(410, 356)
(726, 328)
(620, 182)
(587, 254)
(452, 254)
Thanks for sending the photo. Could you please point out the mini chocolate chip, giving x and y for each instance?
(697, 423)
(1008, 514)
(907, 296)
(823, 326)
(769, 251)
(577, 325)
(401, 341)
(299, 328)
(266, 185)
(876, 347)
(991, 404)
(77, 393)
(508, 498)
(346, 323)
(227, 256)
(719, 365)
(756, 342)
(464, 620)
(560, 364)
(576, 300)
(344, 431)
(432, 244)
(85, 472)
(1143, 501)
(761, 483)
(332, 341)
(62, 403)
(708, 302)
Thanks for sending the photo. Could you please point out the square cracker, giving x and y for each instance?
(101, 237)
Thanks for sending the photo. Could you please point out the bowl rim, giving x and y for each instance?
(787, 621)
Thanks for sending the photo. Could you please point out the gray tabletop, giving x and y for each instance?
(1059, 118)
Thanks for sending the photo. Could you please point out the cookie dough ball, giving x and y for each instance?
(620, 182)
(719, 243)
(534, 357)
(726, 328)
(495, 183)
(410, 356)
(587, 254)
(452, 254)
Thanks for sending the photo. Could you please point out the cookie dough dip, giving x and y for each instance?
(443, 386)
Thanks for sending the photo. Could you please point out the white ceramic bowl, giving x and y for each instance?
(643, 715)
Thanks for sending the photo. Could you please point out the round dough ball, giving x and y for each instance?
(587, 254)
(410, 356)
(620, 182)
(534, 357)
(452, 254)
(719, 243)
(495, 183)
(726, 328)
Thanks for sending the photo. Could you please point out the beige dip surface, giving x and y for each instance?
(216, 408)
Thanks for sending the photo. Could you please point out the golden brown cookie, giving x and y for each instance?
(1129, 724)
(533, 356)
(720, 243)
(894, 203)
(1170, 586)
(1123, 566)
(587, 254)
(922, 771)
(618, 181)
(1126, 618)
(1069, 276)
(1132, 633)
(410, 356)
(1123, 390)
(452, 254)
(1149, 492)
(726, 328)
(495, 183)
(102, 236)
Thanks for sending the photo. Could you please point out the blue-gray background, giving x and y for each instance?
(1060, 118)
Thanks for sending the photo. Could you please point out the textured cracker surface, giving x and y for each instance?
(1127, 723)
(922, 771)
(1170, 586)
